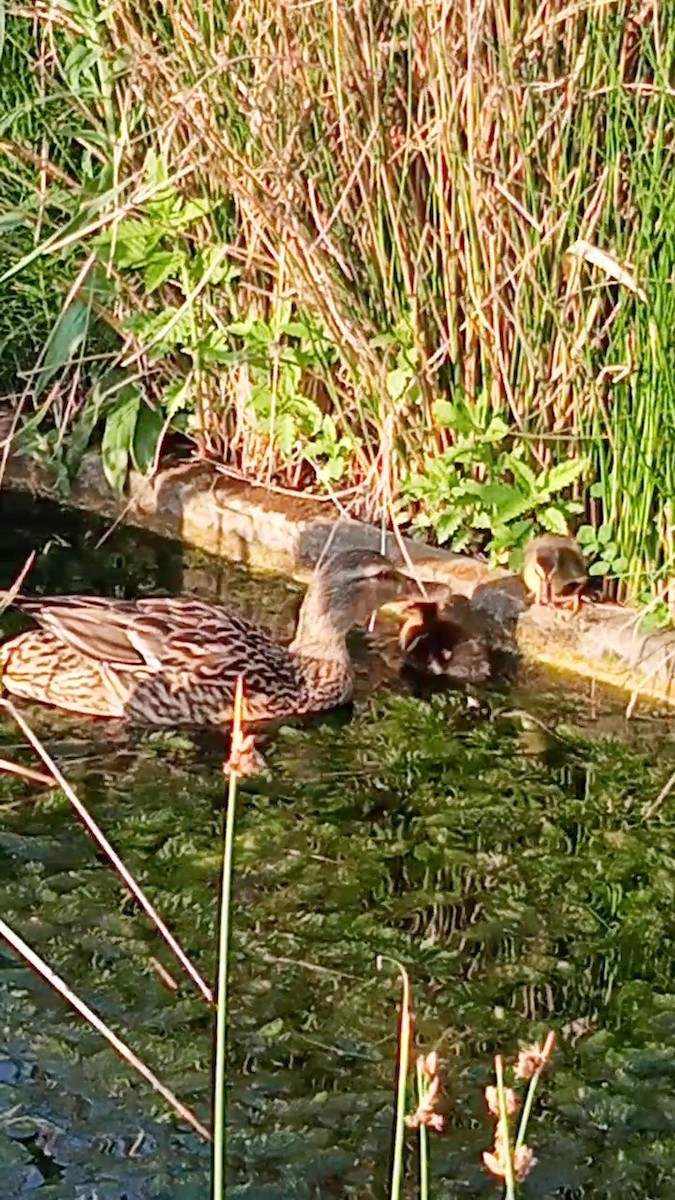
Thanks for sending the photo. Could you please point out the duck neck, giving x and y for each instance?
(322, 627)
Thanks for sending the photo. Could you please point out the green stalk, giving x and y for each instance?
(510, 1192)
(529, 1099)
(424, 1139)
(403, 1061)
(220, 1081)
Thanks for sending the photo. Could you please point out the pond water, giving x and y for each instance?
(510, 869)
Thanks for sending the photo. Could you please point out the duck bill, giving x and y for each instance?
(414, 590)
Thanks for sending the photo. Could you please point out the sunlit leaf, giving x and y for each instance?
(66, 340)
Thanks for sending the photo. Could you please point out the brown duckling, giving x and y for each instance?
(439, 640)
(554, 570)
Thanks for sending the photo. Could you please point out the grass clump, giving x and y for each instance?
(420, 256)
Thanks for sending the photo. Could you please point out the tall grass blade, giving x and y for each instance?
(38, 964)
(404, 1039)
(101, 840)
(220, 1071)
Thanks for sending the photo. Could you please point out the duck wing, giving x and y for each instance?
(152, 634)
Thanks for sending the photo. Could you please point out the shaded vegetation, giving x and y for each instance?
(513, 874)
(419, 253)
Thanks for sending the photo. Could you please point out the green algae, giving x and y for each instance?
(514, 875)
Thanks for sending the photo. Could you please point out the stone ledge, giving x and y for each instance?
(196, 504)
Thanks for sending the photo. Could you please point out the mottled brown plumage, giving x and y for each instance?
(554, 570)
(175, 662)
(443, 640)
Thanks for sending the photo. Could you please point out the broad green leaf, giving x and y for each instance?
(296, 329)
(148, 428)
(605, 534)
(586, 535)
(564, 473)
(12, 218)
(599, 568)
(66, 339)
(496, 431)
(444, 413)
(397, 382)
(79, 436)
(118, 436)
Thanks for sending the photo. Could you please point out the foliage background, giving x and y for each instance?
(416, 254)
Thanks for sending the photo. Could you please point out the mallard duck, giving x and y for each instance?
(440, 640)
(554, 570)
(175, 662)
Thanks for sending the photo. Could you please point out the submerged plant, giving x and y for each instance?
(512, 1160)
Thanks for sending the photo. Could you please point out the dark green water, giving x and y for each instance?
(512, 874)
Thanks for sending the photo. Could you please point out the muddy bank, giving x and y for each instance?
(196, 504)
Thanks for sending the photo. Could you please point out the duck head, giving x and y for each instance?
(347, 588)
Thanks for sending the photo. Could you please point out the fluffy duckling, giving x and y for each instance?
(554, 570)
(438, 640)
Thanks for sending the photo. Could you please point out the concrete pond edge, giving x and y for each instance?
(198, 505)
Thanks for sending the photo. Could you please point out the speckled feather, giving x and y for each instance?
(175, 662)
(161, 662)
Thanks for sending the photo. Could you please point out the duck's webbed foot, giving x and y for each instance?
(245, 759)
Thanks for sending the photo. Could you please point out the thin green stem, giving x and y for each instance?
(509, 1181)
(529, 1099)
(220, 1081)
(424, 1138)
(403, 1062)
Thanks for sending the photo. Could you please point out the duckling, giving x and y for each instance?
(439, 640)
(554, 570)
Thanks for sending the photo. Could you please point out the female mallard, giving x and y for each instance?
(175, 662)
(554, 570)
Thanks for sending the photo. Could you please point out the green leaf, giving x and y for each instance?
(597, 490)
(563, 474)
(586, 535)
(194, 210)
(447, 525)
(524, 475)
(285, 434)
(176, 398)
(148, 429)
(12, 218)
(66, 339)
(444, 413)
(598, 568)
(605, 534)
(160, 266)
(118, 436)
(397, 382)
(496, 431)
(620, 565)
(296, 329)
(553, 520)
